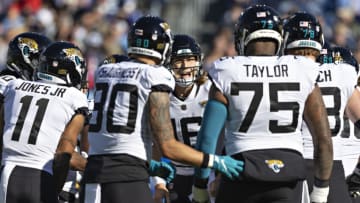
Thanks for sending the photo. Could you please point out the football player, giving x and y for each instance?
(303, 37)
(23, 55)
(187, 104)
(71, 190)
(37, 115)
(262, 98)
(351, 141)
(131, 111)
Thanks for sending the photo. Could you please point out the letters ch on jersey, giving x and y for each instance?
(324, 76)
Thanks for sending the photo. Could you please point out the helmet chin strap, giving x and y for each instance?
(23, 74)
(70, 83)
(183, 82)
(182, 91)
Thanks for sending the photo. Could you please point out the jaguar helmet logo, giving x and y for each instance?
(29, 43)
(76, 56)
(72, 52)
(110, 59)
(27, 46)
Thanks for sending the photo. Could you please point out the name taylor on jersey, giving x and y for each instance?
(253, 70)
(41, 89)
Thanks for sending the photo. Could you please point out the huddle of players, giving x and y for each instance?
(63, 63)
(337, 76)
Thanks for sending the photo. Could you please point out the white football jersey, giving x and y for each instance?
(36, 115)
(5, 79)
(336, 82)
(120, 122)
(186, 116)
(266, 98)
(351, 144)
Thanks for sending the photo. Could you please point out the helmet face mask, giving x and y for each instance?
(257, 22)
(186, 60)
(24, 52)
(150, 36)
(186, 70)
(302, 30)
(62, 63)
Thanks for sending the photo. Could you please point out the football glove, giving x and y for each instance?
(162, 169)
(353, 182)
(228, 166)
(200, 195)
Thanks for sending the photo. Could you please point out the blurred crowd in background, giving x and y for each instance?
(99, 27)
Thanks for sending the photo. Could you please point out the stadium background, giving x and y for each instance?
(99, 27)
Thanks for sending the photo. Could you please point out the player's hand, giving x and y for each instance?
(319, 194)
(228, 166)
(161, 193)
(162, 169)
(353, 182)
(200, 195)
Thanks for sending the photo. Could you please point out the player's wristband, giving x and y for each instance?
(208, 161)
(201, 183)
(158, 180)
(319, 194)
(205, 161)
(321, 183)
(84, 154)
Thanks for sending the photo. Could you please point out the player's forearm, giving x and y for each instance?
(316, 118)
(180, 152)
(323, 149)
(352, 108)
(156, 153)
(84, 142)
(211, 126)
(68, 140)
(170, 148)
(164, 134)
(159, 116)
(323, 160)
(61, 165)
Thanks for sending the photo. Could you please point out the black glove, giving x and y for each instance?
(353, 182)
